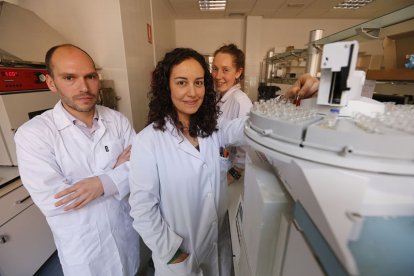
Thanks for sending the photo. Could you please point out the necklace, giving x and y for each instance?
(192, 140)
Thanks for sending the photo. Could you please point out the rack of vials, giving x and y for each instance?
(383, 135)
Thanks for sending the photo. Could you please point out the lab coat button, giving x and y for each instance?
(209, 194)
(205, 166)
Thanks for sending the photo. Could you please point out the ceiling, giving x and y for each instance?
(188, 9)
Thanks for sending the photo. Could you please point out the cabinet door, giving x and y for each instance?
(13, 203)
(28, 244)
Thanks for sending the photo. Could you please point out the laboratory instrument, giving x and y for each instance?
(337, 191)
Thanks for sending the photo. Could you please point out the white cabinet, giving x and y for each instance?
(261, 222)
(26, 241)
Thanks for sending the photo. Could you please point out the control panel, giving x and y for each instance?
(22, 79)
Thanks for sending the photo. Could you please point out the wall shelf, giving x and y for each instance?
(280, 67)
(290, 55)
(390, 19)
(394, 32)
(386, 39)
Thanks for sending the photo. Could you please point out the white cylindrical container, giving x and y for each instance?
(269, 65)
(312, 64)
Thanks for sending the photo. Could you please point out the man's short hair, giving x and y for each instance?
(51, 51)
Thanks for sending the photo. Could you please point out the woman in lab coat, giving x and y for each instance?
(228, 71)
(177, 199)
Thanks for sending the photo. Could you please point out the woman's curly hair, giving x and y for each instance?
(202, 123)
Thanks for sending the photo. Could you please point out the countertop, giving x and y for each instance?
(8, 175)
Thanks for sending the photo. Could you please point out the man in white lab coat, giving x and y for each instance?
(73, 160)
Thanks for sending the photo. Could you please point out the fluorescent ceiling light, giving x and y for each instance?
(352, 4)
(208, 5)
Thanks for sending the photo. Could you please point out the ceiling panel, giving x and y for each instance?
(184, 5)
(188, 9)
(245, 5)
(266, 8)
(292, 8)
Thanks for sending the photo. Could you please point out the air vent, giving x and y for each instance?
(236, 14)
(295, 5)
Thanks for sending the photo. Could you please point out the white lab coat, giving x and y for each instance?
(177, 199)
(53, 154)
(235, 104)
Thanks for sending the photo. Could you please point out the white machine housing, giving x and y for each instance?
(340, 84)
(351, 183)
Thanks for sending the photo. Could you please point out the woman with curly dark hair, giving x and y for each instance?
(178, 202)
(204, 121)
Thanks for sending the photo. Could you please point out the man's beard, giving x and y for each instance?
(72, 102)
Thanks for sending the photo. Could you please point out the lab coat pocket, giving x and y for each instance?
(225, 165)
(183, 268)
(108, 153)
(78, 244)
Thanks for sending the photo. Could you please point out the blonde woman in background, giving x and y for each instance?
(228, 71)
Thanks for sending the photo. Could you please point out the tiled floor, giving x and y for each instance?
(52, 267)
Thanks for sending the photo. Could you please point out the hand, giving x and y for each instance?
(180, 258)
(124, 156)
(305, 87)
(80, 193)
(230, 178)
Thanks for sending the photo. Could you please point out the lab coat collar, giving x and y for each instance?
(181, 142)
(103, 115)
(62, 121)
(227, 95)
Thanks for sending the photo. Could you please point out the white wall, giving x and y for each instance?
(95, 26)
(139, 55)
(205, 36)
(24, 35)
(163, 28)
(114, 33)
(254, 35)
